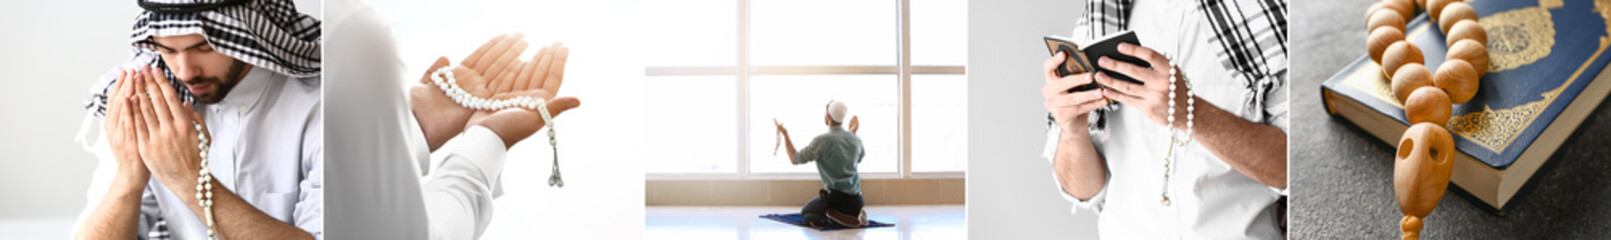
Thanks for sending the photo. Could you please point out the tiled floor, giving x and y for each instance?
(714, 223)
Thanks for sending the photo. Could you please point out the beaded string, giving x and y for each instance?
(1449, 15)
(443, 78)
(1175, 139)
(204, 184)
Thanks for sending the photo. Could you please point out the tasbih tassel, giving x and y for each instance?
(553, 180)
(1423, 162)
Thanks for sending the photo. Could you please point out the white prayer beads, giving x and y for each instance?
(443, 78)
(1175, 140)
(204, 183)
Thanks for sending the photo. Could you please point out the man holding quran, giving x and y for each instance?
(1194, 146)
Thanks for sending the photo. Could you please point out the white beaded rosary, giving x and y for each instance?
(204, 184)
(443, 77)
(1175, 139)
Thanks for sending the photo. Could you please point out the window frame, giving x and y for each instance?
(742, 70)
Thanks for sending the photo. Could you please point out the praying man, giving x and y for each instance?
(243, 73)
(836, 154)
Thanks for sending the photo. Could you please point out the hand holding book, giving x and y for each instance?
(1068, 106)
(1082, 59)
(1117, 68)
(1151, 95)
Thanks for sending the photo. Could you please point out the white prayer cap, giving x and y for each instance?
(837, 110)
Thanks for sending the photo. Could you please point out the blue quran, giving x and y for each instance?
(1546, 74)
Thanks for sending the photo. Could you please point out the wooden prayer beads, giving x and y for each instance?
(1398, 54)
(1474, 53)
(1466, 29)
(1426, 150)
(1458, 78)
(1386, 19)
(1372, 10)
(1453, 13)
(1428, 104)
(1404, 8)
(1408, 78)
(1380, 39)
(1436, 4)
(1425, 158)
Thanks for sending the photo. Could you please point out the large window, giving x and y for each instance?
(739, 64)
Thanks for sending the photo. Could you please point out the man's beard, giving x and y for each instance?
(216, 95)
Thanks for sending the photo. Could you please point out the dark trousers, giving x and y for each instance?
(816, 211)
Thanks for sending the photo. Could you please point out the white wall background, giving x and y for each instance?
(1011, 193)
(50, 53)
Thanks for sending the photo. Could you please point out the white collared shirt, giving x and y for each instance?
(1208, 199)
(267, 148)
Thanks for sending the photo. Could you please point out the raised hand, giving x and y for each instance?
(855, 123)
(439, 117)
(539, 78)
(786, 143)
(545, 71)
(779, 136)
(493, 58)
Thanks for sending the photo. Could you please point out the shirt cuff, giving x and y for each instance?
(1050, 153)
(479, 147)
(1094, 204)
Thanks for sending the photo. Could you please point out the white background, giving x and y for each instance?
(1011, 193)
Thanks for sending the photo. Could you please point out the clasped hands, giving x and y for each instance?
(152, 132)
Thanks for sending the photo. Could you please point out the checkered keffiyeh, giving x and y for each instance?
(1250, 36)
(268, 34)
(159, 230)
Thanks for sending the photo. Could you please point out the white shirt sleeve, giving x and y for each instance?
(459, 190)
(309, 211)
(101, 177)
(375, 147)
(101, 180)
(1050, 153)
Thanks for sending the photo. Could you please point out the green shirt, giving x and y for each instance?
(836, 153)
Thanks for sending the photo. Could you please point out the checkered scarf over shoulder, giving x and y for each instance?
(268, 34)
(1250, 36)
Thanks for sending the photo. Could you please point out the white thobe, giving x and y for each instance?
(1209, 199)
(267, 147)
